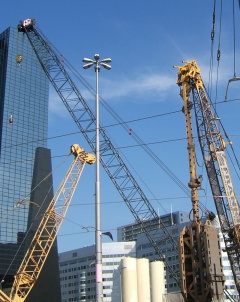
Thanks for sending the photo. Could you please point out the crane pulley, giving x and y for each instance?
(48, 228)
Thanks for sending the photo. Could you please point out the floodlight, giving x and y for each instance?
(86, 66)
(107, 66)
(86, 60)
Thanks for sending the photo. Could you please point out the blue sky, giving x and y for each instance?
(144, 39)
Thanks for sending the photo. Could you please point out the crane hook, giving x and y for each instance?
(231, 80)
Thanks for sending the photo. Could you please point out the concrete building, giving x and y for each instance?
(77, 271)
(23, 128)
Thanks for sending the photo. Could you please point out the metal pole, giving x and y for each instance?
(98, 239)
(98, 234)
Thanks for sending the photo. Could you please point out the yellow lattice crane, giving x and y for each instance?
(48, 228)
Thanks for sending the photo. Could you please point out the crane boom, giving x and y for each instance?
(48, 228)
(110, 158)
(212, 147)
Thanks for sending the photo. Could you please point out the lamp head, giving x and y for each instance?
(107, 66)
(86, 66)
(108, 60)
(86, 60)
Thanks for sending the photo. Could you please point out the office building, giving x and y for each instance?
(77, 271)
(130, 232)
(24, 91)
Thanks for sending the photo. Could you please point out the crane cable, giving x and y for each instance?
(23, 201)
(234, 78)
(234, 41)
(140, 142)
(212, 47)
(147, 149)
(218, 53)
(218, 60)
(126, 127)
(227, 137)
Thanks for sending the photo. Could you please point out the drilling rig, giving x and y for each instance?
(213, 150)
(201, 269)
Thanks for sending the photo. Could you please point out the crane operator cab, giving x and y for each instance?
(26, 24)
(84, 156)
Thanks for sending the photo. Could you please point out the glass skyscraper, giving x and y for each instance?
(24, 124)
(23, 128)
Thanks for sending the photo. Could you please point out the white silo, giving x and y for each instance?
(157, 281)
(143, 278)
(129, 279)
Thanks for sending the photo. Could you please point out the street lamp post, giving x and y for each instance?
(98, 240)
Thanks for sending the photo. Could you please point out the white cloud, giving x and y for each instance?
(140, 86)
(56, 105)
(146, 86)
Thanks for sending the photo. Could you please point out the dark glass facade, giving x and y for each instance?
(24, 162)
(23, 128)
(24, 122)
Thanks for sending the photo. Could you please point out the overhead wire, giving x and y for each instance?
(124, 124)
(126, 127)
(137, 139)
(140, 142)
(228, 141)
(24, 199)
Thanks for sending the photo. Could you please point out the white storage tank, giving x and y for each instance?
(157, 281)
(129, 279)
(143, 278)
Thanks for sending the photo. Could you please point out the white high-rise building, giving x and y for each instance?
(77, 271)
(229, 282)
